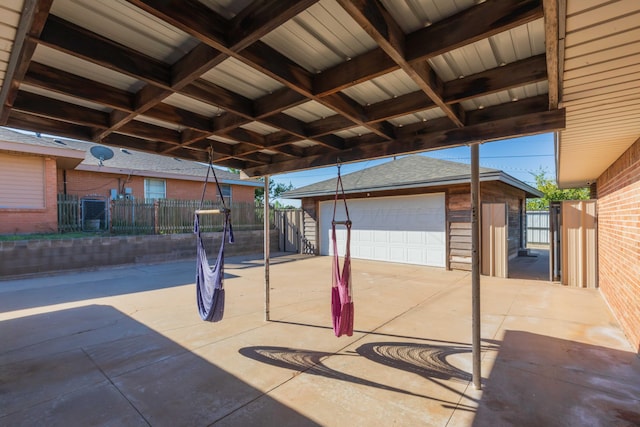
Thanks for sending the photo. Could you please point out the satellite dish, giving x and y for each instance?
(101, 153)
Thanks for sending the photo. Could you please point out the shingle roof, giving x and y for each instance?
(128, 161)
(407, 172)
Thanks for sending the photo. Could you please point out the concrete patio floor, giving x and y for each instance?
(125, 346)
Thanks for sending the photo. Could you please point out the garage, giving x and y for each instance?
(404, 229)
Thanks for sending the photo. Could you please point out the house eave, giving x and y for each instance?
(66, 158)
(163, 175)
(462, 179)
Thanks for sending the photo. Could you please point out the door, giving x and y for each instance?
(495, 246)
(578, 246)
(404, 229)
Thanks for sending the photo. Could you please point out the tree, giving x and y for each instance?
(552, 193)
(275, 191)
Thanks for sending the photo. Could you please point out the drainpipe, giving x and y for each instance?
(475, 265)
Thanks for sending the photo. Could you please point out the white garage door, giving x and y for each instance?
(406, 229)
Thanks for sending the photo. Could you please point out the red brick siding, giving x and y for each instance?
(21, 221)
(619, 240)
(84, 183)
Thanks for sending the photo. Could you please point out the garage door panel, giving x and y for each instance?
(407, 229)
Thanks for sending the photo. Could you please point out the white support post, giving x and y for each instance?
(266, 248)
(475, 265)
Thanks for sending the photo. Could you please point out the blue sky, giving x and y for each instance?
(519, 157)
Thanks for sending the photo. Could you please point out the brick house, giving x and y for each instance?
(34, 170)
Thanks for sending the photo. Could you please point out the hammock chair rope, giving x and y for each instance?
(341, 290)
(210, 293)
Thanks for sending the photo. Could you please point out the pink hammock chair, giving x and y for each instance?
(341, 291)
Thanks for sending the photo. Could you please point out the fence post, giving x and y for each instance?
(156, 216)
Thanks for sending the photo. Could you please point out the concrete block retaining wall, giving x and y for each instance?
(26, 257)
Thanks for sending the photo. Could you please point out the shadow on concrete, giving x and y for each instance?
(311, 362)
(94, 365)
(532, 267)
(538, 380)
(426, 360)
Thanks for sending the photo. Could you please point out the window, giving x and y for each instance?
(22, 183)
(226, 193)
(155, 188)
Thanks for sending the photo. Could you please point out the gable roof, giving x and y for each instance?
(125, 161)
(408, 172)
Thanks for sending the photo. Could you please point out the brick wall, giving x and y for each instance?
(618, 191)
(85, 183)
(28, 257)
(21, 221)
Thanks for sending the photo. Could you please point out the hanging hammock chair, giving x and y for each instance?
(341, 290)
(209, 279)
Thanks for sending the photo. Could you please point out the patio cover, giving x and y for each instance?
(281, 85)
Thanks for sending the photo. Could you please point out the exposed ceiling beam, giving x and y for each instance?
(471, 25)
(551, 20)
(502, 126)
(380, 25)
(260, 18)
(32, 20)
(43, 106)
(20, 120)
(488, 18)
(62, 82)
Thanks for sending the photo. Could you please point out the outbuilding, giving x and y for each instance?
(417, 210)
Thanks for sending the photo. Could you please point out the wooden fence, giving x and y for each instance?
(161, 216)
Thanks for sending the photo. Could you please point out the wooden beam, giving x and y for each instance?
(55, 80)
(192, 17)
(39, 105)
(140, 144)
(213, 94)
(260, 18)
(519, 73)
(148, 131)
(20, 120)
(277, 102)
(328, 125)
(32, 19)
(507, 126)
(198, 61)
(380, 25)
(400, 106)
(465, 28)
(469, 26)
(354, 71)
(551, 26)
(81, 43)
(170, 114)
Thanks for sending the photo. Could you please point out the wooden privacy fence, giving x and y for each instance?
(289, 224)
(163, 216)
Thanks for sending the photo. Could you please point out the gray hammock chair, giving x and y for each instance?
(210, 279)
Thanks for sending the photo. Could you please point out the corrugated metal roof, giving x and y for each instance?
(318, 38)
(126, 24)
(381, 88)
(241, 79)
(74, 65)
